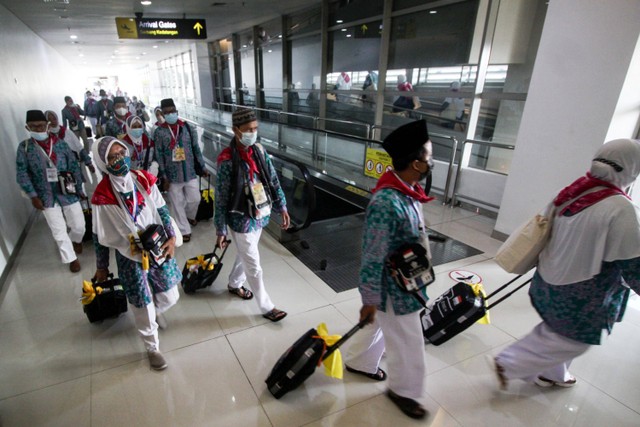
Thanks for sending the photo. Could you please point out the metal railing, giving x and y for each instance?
(454, 198)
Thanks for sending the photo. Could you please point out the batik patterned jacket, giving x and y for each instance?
(181, 171)
(391, 220)
(31, 172)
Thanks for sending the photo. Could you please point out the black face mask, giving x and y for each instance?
(426, 173)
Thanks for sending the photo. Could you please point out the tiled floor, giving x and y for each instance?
(56, 369)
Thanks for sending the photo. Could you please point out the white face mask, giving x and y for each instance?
(249, 138)
(121, 111)
(55, 129)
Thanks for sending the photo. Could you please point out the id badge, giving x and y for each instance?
(52, 175)
(104, 113)
(178, 154)
(263, 208)
(135, 244)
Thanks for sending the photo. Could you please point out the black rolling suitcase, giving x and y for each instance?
(456, 310)
(300, 361)
(205, 208)
(201, 271)
(110, 300)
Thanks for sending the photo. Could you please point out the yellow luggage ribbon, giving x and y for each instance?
(145, 260)
(201, 261)
(478, 289)
(206, 194)
(88, 292)
(333, 363)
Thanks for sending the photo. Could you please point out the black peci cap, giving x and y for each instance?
(167, 102)
(407, 139)
(35, 116)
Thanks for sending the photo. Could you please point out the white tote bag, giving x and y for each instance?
(519, 253)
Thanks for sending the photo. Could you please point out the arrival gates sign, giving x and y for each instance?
(161, 28)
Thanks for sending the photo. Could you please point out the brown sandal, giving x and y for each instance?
(275, 315)
(241, 292)
(409, 407)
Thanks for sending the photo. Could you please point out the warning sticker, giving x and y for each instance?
(376, 163)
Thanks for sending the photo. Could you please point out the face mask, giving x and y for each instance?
(249, 138)
(121, 111)
(120, 167)
(136, 133)
(103, 97)
(171, 118)
(55, 129)
(39, 136)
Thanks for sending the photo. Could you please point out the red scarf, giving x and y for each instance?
(47, 145)
(390, 180)
(146, 142)
(247, 156)
(74, 111)
(174, 135)
(62, 132)
(103, 195)
(581, 185)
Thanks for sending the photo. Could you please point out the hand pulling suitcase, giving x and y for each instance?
(300, 361)
(110, 300)
(201, 271)
(456, 310)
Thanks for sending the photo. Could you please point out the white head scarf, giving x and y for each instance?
(605, 232)
(617, 162)
(130, 121)
(121, 184)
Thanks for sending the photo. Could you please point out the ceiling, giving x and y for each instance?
(97, 48)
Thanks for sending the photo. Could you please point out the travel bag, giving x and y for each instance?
(456, 310)
(201, 271)
(300, 361)
(205, 208)
(103, 300)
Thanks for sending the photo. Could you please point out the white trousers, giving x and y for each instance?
(184, 198)
(145, 317)
(402, 338)
(247, 267)
(541, 353)
(59, 218)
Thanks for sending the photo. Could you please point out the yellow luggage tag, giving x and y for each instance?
(134, 245)
(145, 260)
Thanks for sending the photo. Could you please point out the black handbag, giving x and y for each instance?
(411, 267)
(110, 300)
(205, 208)
(152, 239)
(201, 271)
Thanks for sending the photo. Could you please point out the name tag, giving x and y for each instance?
(178, 155)
(262, 205)
(104, 113)
(52, 175)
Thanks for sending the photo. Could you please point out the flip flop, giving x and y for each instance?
(241, 292)
(275, 315)
(378, 376)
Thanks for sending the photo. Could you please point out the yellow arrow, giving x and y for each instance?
(364, 28)
(197, 27)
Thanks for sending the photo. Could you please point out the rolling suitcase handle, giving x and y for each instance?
(344, 338)
(221, 255)
(509, 294)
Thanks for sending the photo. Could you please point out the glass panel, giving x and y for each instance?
(349, 11)
(515, 45)
(248, 73)
(305, 63)
(271, 48)
(304, 22)
(405, 4)
(428, 39)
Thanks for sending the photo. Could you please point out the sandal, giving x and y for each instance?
(192, 222)
(378, 376)
(186, 237)
(410, 407)
(275, 315)
(241, 292)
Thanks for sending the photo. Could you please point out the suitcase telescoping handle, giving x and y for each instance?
(221, 255)
(344, 338)
(509, 294)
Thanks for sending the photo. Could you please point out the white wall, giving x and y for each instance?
(585, 54)
(33, 76)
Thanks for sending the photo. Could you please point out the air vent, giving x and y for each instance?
(217, 3)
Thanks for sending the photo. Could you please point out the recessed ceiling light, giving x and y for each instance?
(115, 51)
(279, 36)
(344, 29)
(137, 57)
(244, 45)
(113, 56)
(348, 35)
(145, 2)
(155, 47)
(73, 37)
(339, 21)
(433, 12)
(144, 53)
(270, 51)
(81, 55)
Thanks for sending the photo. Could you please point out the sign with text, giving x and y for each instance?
(161, 28)
(376, 163)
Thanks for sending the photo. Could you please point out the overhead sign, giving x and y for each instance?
(161, 28)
